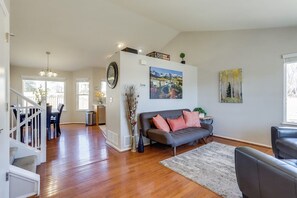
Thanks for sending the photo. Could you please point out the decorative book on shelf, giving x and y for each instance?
(131, 50)
(159, 55)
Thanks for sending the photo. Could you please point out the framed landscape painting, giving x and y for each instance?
(165, 84)
(231, 86)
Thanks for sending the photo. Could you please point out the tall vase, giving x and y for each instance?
(140, 147)
(133, 143)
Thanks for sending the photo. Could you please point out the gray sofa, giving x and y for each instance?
(262, 176)
(284, 142)
(176, 138)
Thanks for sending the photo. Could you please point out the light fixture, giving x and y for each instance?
(120, 45)
(47, 72)
(140, 51)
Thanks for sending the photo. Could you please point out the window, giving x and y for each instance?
(290, 89)
(82, 95)
(103, 87)
(55, 93)
(53, 90)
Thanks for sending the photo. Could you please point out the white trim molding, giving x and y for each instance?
(244, 141)
(289, 124)
(115, 147)
(291, 55)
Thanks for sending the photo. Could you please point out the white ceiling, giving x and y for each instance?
(83, 33)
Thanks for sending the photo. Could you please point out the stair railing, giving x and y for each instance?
(28, 122)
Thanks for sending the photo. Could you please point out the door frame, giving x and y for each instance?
(4, 98)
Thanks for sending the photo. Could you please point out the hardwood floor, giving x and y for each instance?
(80, 164)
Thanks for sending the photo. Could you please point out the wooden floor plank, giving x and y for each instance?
(80, 164)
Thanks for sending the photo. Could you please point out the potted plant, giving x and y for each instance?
(182, 56)
(201, 111)
(99, 96)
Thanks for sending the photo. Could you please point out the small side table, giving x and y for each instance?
(207, 120)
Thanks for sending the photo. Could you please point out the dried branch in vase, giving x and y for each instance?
(132, 101)
(39, 94)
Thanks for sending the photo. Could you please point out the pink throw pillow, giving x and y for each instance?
(161, 123)
(192, 119)
(177, 124)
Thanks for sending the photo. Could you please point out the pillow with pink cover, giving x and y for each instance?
(177, 124)
(192, 119)
(161, 123)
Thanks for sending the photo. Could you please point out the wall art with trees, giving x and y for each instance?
(230, 86)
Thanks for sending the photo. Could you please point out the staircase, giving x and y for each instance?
(27, 144)
(23, 180)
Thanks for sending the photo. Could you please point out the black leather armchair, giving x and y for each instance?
(262, 176)
(284, 142)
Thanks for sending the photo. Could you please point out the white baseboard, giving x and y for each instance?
(121, 150)
(244, 141)
(116, 148)
(72, 123)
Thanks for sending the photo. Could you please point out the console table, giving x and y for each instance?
(100, 114)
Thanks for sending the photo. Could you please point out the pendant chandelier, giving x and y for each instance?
(48, 72)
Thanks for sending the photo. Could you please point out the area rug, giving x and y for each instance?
(211, 165)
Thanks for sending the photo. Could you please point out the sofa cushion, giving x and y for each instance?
(177, 124)
(160, 136)
(288, 146)
(187, 135)
(192, 119)
(161, 123)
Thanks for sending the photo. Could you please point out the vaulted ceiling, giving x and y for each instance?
(84, 33)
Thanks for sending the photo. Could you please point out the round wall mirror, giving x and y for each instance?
(112, 75)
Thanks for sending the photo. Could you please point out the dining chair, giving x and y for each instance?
(55, 120)
(48, 121)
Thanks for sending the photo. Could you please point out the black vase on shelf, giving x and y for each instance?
(140, 147)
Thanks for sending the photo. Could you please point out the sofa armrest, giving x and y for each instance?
(281, 132)
(208, 127)
(160, 136)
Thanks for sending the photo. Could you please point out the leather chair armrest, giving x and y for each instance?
(281, 132)
(258, 172)
(208, 127)
(284, 132)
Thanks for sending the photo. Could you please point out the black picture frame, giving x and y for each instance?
(112, 75)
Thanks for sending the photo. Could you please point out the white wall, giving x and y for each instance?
(258, 53)
(113, 118)
(131, 72)
(71, 115)
(17, 74)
